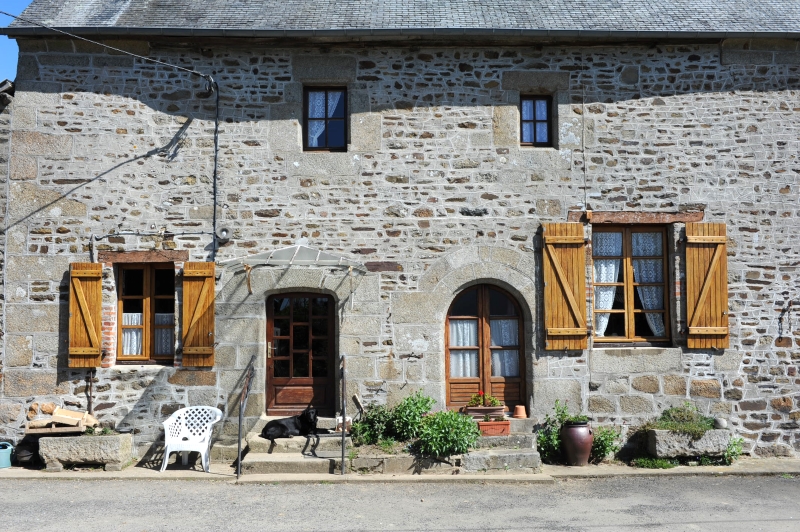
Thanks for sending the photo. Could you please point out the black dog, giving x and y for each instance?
(302, 424)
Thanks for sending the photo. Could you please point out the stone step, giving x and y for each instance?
(522, 426)
(512, 441)
(328, 423)
(502, 460)
(297, 444)
(266, 464)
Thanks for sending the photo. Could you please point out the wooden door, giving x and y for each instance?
(300, 353)
(485, 347)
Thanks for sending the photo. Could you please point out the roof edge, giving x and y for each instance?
(393, 33)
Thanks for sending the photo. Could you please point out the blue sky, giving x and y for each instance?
(8, 47)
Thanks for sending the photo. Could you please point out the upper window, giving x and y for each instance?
(146, 312)
(630, 292)
(536, 123)
(325, 119)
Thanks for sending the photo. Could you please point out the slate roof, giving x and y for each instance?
(375, 17)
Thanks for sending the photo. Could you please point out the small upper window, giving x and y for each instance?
(146, 302)
(536, 125)
(325, 119)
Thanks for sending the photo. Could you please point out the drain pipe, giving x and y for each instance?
(344, 413)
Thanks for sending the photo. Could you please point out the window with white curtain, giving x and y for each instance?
(629, 278)
(325, 119)
(146, 312)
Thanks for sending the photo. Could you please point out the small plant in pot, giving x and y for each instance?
(482, 404)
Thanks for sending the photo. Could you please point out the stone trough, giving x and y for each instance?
(668, 444)
(113, 451)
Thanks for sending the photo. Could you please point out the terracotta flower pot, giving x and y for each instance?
(495, 428)
(519, 412)
(577, 438)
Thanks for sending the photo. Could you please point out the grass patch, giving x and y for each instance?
(647, 462)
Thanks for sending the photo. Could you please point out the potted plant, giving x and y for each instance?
(481, 404)
(577, 438)
(497, 427)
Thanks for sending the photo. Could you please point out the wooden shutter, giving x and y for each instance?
(564, 286)
(707, 285)
(198, 314)
(85, 314)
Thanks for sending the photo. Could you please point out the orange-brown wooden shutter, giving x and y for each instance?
(564, 286)
(706, 285)
(85, 314)
(198, 314)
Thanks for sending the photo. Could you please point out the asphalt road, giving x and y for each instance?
(653, 504)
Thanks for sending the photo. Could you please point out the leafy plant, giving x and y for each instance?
(605, 443)
(373, 426)
(548, 439)
(406, 417)
(685, 419)
(387, 445)
(647, 462)
(483, 399)
(97, 431)
(447, 432)
(733, 450)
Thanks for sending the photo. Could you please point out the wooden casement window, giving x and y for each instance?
(325, 119)
(536, 121)
(146, 312)
(485, 349)
(629, 270)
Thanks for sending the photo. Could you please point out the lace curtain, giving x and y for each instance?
(505, 362)
(316, 109)
(463, 362)
(131, 338)
(649, 271)
(605, 271)
(165, 338)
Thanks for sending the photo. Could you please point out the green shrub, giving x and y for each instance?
(684, 419)
(373, 426)
(407, 416)
(445, 433)
(605, 443)
(648, 462)
(733, 451)
(548, 438)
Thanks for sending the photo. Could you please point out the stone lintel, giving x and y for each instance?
(384, 267)
(156, 255)
(635, 217)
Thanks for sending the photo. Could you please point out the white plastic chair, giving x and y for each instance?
(189, 429)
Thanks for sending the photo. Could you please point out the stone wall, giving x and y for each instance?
(434, 194)
(6, 100)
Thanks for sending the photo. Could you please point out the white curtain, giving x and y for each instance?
(505, 362)
(649, 271)
(316, 109)
(605, 271)
(463, 362)
(333, 101)
(131, 338)
(165, 338)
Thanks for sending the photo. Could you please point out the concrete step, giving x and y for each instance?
(266, 464)
(502, 460)
(328, 423)
(512, 441)
(298, 444)
(522, 426)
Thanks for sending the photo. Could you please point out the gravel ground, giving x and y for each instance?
(674, 503)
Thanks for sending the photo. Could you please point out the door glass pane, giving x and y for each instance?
(300, 365)
(319, 306)
(300, 312)
(464, 363)
(300, 337)
(527, 132)
(505, 332)
(319, 327)
(281, 368)
(466, 304)
(280, 328)
(281, 348)
(164, 282)
(319, 348)
(500, 305)
(132, 282)
(463, 332)
(527, 109)
(505, 363)
(281, 306)
(319, 368)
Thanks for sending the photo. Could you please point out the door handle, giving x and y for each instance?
(269, 349)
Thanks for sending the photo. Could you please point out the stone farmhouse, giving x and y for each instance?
(591, 201)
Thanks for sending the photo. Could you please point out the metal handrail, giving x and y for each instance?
(246, 385)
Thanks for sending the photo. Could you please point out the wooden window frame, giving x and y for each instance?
(148, 326)
(629, 285)
(549, 121)
(485, 380)
(345, 119)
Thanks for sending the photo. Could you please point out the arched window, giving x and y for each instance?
(484, 347)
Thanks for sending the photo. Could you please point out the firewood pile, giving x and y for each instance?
(63, 421)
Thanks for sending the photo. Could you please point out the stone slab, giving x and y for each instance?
(667, 444)
(508, 460)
